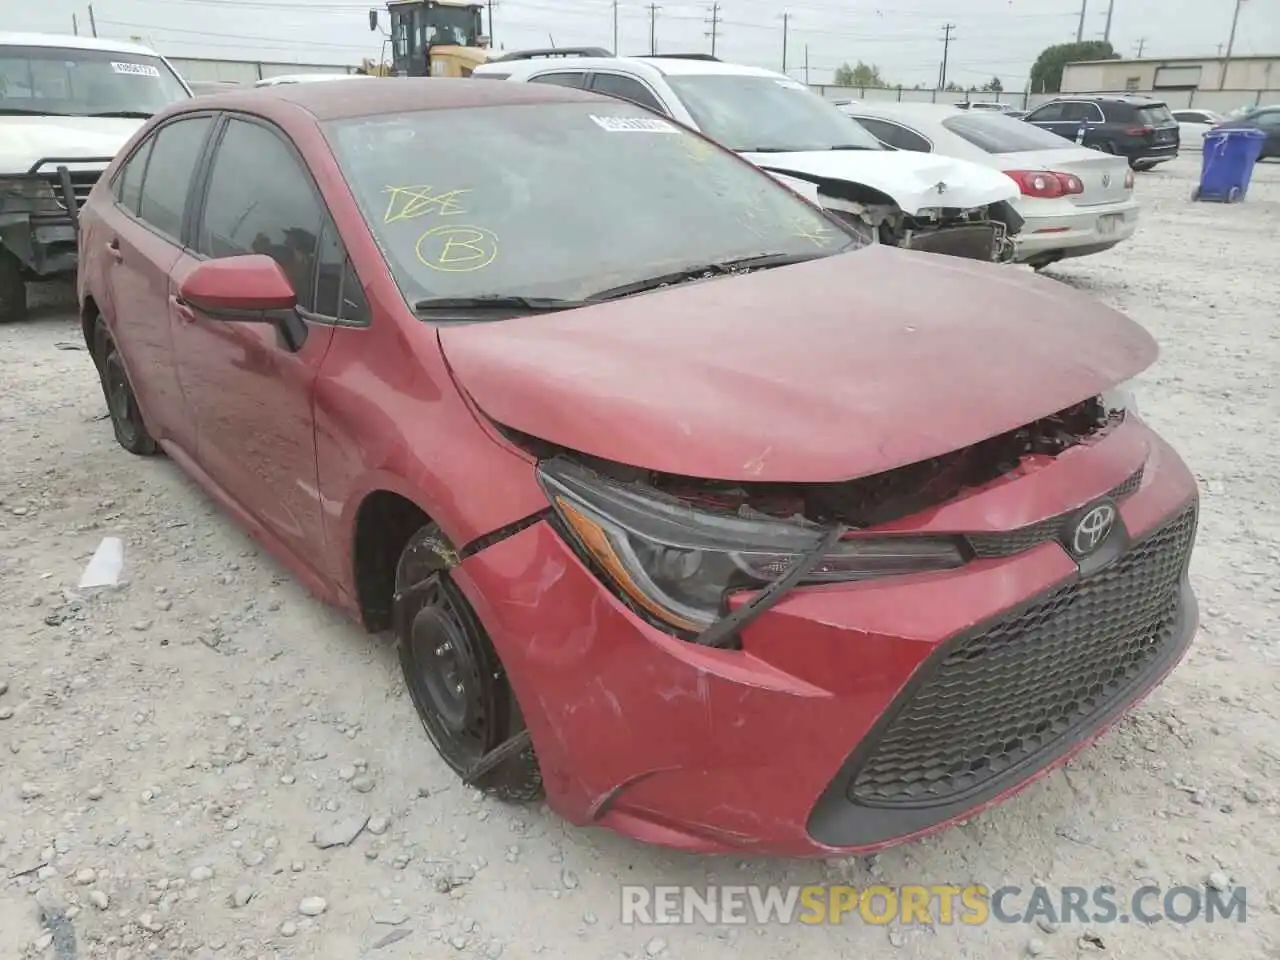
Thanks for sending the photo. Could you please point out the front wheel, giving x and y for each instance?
(13, 289)
(454, 676)
(126, 419)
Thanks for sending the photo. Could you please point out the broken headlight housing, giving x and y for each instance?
(678, 564)
(1121, 398)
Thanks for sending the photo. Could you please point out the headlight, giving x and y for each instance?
(1121, 397)
(679, 564)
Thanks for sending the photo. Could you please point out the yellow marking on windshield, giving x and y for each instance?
(408, 203)
(456, 248)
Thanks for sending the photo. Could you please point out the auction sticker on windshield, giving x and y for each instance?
(136, 69)
(633, 124)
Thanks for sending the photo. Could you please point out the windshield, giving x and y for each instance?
(560, 200)
(753, 114)
(996, 133)
(53, 81)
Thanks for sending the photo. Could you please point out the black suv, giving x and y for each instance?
(1140, 129)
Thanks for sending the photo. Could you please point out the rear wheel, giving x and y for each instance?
(13, 289)
(454, 676)
(126, 419)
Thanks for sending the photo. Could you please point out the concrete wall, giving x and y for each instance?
(1259, 74)
(246, 71)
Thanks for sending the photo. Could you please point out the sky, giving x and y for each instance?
(904, 39)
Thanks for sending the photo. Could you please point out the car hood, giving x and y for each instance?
(911, 179)
(24, 141)
(823, 371)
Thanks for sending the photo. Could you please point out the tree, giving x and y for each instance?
(993, 86)
(863, 75)
(1046, 72)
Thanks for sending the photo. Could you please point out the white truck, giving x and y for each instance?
(67, 105)
(914, 200)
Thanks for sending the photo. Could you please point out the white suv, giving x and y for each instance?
(67, 105)
(912, 200)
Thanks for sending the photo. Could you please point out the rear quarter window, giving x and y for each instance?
(1153, 115)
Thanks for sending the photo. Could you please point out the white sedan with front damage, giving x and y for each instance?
(939, 204)
(1075, 201)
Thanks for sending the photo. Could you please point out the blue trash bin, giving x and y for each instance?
(1227, 164)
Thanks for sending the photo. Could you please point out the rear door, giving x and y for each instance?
(142, 238)
(1081, 121)
(1050, 117)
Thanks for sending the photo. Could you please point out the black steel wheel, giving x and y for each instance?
(126, 419)
(454, 676)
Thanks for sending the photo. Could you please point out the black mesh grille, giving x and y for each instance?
(1006, 543)
(1002, 696)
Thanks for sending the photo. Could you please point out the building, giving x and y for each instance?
(1179, 75)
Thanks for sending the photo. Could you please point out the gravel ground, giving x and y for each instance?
(170, 749)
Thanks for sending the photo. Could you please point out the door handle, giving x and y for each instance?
(113, 250)
(182, 308)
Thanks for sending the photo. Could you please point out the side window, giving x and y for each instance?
(260, 200)
(898, 136)
(1269, 119)
(1095, 114)
(561, 79)
(880, 129)
(338, 292)
(625, 88)
(128, 185)
(168, 173)
(1047, 114)
(1076, 111)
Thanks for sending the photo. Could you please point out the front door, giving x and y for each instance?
(250, 391)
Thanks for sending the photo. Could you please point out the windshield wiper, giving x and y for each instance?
(124, 114)
(852, 146)
(25, 112)
(719, 268)
(496, 302)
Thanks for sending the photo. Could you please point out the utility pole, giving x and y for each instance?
(1106, 33)
(786, 20)
(1084, 6)
(1231, 42)
(93, 24)
(653, 29)
(489, 4)
(615, 27)
(714, 21)
(806, 65)
(946, 49)
(75, 25)
(1142, 42)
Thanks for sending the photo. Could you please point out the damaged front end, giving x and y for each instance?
(978, 233)
(677, 550)
(39, 214)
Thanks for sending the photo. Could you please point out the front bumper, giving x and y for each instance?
(771, 748)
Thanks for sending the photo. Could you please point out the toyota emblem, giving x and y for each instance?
(1092, 529)
(1106, 179)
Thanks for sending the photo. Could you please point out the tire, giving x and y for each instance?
(1195, 194)
(454, 676)
(126, 419)
(1233, 196)
(1106, 146)
(13, 290)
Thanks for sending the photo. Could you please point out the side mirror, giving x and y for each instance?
(247, 288)
(373, 19)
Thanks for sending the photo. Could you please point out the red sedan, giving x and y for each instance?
(725, 531)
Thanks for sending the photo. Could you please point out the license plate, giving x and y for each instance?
(1107, 225)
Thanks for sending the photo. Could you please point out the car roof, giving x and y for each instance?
(936, 112)
(337, 100)
(667, 66)
(309, 78)
(1109, 98)
(71, 42)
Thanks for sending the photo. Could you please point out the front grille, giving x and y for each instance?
(993, 700)
(1005, 543)
(81, 183)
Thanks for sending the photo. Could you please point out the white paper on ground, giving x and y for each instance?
(107, 564)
